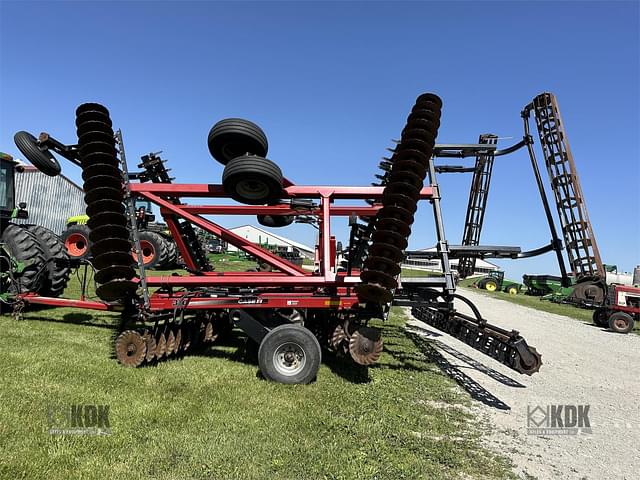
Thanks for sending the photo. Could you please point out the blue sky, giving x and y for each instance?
(332, 83)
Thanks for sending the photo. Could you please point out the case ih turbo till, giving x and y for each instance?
(291, 313)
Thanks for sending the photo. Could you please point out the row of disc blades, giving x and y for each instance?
(364, 344)
(111, 246)
(404, 180)
(135, 347)
(482, 339)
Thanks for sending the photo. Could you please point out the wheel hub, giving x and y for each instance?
(289, 359)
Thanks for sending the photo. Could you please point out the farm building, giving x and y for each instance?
(482, 266)
(259, 236)
(50, 200)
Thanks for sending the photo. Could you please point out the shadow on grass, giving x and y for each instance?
(473, 363)
(473, 388)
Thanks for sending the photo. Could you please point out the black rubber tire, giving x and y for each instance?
(481, 283)
(159, 246)
(56, 258)
(43, 160)
(509, 287)
(77, 230)
(601, 317)
(291, 334)
(252, 180)
(234, 137)
(23, 246)
(621, 322)
(490, 281)
(172, 253)
(275, 221)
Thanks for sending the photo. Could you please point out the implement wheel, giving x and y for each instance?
(234, 137)
(41, 158)
(252, 180)
(621, 322)
(289, 354)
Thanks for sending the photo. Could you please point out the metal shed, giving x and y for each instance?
(50, 200)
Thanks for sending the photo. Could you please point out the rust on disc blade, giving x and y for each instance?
(337, 337)
(161, 346)
(171, 343)
(131, 348)
(151, 345)
(208, 332)
(365, 345)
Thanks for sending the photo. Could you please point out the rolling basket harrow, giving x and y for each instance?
(291, 313)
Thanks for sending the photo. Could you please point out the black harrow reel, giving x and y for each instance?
(111, 246)
(507, 347)
(407, 170)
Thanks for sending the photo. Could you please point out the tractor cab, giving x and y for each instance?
(498, 275)
(8, 209)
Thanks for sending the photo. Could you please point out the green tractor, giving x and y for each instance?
(32, 258)
(495, 281)
(159, 251)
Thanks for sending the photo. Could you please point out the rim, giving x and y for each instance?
(76, 244)
(253, 189)
(148, 252)
(490, 286)
(289, 359)
(621, 323)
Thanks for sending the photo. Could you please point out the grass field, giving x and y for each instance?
(210, 416)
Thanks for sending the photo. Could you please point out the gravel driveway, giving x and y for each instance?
(582, 365)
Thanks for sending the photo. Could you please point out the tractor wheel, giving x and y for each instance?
(41, 158)
(512, 289)
(621, 322)
(490, 285)
(252, 180)
(172, 253)
(57, 259)
(289, 354)
(154, 250)
(601, 317)
(234, 137)
(76, 241)
(25, 250)
(275, 221)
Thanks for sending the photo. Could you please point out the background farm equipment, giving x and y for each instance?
(32, 257)
(159, 251)
(495, 281)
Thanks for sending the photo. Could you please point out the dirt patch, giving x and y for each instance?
(582, 365)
